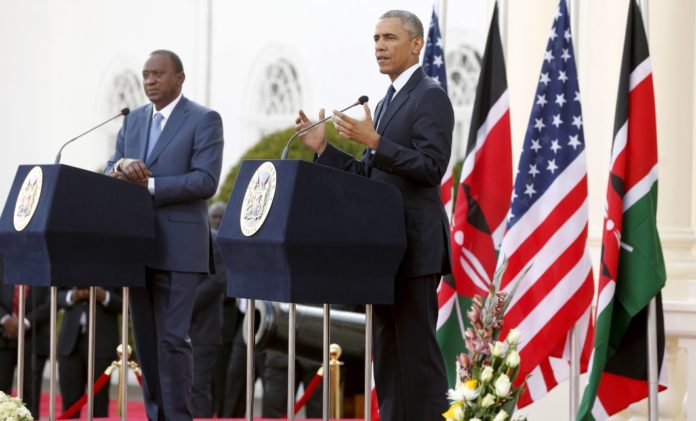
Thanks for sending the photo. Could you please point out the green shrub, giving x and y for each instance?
(271, 147)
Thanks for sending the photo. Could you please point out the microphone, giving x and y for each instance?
(124, 112)
(363, 99)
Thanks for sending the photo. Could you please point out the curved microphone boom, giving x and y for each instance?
(124, 112)
(363, 99)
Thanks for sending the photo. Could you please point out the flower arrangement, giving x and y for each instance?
(485, 372)
(12, 409)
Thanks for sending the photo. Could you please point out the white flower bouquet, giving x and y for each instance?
(486, 371)
(12, 409)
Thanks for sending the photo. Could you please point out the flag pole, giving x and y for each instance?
(653, 376)
(574, 381)
(443, 24)
(652, 362)
(503, 24)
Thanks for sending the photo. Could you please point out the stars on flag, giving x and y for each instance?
(557, 120)
(434, 56)
(552, 166)
(562, 76)
(544, 79)
(548, 56)
(566, 55)
(555, 137)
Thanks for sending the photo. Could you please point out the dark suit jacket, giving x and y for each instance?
(39, 317)
(107, 336)
(186, 164)
(206, 323)
(413, 153)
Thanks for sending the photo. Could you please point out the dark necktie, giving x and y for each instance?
(385, 104)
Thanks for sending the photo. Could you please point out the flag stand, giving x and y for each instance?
(652, 362)
(574, 375)
(653, 376)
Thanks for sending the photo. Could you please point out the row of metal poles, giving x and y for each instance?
(250, 323)
(90, 360)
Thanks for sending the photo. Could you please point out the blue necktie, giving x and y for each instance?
(155, 130)
(385, 104)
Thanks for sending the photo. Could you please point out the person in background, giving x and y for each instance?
(36, 344)
(73, 343)
(207, 325)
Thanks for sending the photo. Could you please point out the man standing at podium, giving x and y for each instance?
(173, 148)
(407, 145)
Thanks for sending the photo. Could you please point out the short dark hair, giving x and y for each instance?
(412, 24)
(176, 61)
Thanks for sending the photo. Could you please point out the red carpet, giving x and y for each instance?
(136, 411)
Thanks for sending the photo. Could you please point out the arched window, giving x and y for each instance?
(278, 95)
(123, 89)
(463, 68)
(126, 91)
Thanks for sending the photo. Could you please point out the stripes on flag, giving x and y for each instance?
(483, 196)
(632, 266)
(547, 225)
(434, 66)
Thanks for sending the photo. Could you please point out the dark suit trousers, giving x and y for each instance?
(204, 359)
(32, 383)
(72, 375)
(161, 318)
(409, 369)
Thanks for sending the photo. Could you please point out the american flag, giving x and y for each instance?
(547, 224)
(434, 66)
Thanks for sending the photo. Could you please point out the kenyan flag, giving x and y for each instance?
(483, 199)
(632, 267)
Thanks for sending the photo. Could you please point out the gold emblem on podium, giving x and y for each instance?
(258, 199)
(28, 198)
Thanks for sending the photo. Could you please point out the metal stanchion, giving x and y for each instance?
(21, 309)
(90, 352)
(653, 376)
(291, 360)
(125, 354)
(574, 375)
(335, 370)
(368, 362)
(325, 362)
(52, 356)
(251, 309)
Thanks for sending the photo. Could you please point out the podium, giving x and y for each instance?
(66, 227)
(80, 229)
(329, 237)
(300, 232)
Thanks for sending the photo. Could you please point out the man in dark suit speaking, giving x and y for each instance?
(408, 145)
(172, 147)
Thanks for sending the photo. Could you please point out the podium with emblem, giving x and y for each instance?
(66, 227)
(299, 232)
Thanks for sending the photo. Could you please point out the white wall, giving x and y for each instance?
(58, 59)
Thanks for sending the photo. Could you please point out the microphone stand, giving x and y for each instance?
(286, 150)
(123, 112)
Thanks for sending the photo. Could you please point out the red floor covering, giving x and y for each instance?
(136, 411)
